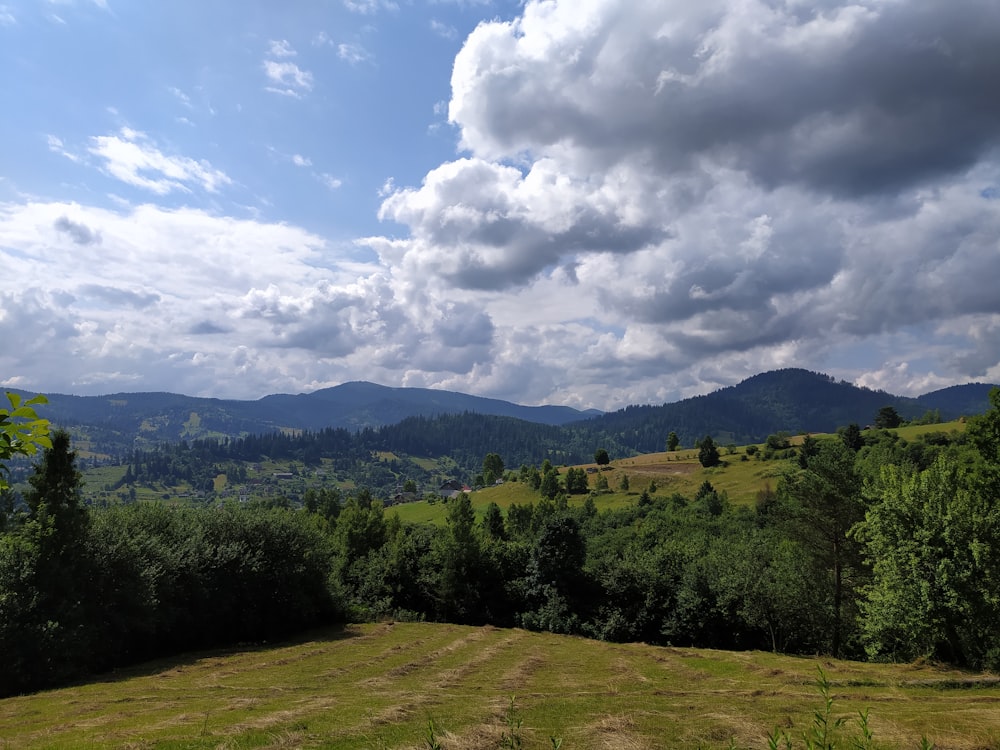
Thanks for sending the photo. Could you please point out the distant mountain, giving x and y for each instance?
(417, 420)
(791, 400)
(118, 421)
(357, 405)
(957, 400)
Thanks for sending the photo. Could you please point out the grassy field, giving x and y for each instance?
(677, 471)
(378, 685)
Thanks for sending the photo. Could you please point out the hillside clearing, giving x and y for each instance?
(378, 686)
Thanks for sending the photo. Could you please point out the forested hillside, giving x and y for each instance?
(789, 400)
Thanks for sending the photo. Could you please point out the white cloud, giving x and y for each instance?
(281, 48)
(132, 157)
(7, 16)
(181, 96)
(56, 146)
(289, 78)
(329, 180)
(654, 199)
(735, 183)
(353, 53)
(443, 29)
(369, 7)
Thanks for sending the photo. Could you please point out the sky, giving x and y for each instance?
(589, 203)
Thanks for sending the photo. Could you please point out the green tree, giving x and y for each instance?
(851, 437)
(821, 504)
(576, 481)
(623, 483)
(887, 418)
(492, 468)
(984, 431)
(460, 554)
(493, 525)
(55, 501)
(557, 582)
(933, 541)
(550, 484)
(601, 457)
(673, 441)
(708, 453)
(48, 600)
(22, 432)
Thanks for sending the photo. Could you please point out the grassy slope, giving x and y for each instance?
(377, 685)
(678, 471)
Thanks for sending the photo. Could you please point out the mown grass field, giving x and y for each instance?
(378, 685)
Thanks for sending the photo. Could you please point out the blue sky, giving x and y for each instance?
(593, 203)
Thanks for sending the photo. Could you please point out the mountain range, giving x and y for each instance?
(792, 400)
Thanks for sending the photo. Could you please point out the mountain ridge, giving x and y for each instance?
(791, 400)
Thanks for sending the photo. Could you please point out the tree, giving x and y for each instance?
(56, 575)
(492, 468)
(550, 484)
(460, 554)
(22, 432)
(54, 500)
(933, 541)
(673, 441)
(851, 436)
(623, 483)
(576, 481)
(493, 525)
(708, 453)
(822, 503)
(601, 457)
(887, 418)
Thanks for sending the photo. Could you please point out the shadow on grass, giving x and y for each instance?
(161, 664)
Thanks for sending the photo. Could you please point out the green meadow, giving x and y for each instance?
(416, 685)
(741, 476)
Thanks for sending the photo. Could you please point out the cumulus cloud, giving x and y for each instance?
(134, 158)
(747, 184)
(652, 199)
(184, 300)
(841, 98)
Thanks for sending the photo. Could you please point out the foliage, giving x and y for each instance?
(820, 504)
(708, 453)
(492, 468)
(22, 431)
(81, 592)
(887, 418)
(935, 545)
(601, 457)
(673, 442)
(663, 569)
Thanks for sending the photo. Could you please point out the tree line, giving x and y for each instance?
(869, 546)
